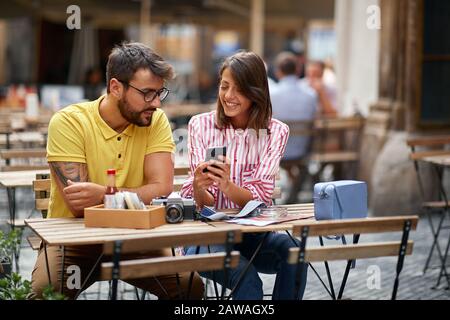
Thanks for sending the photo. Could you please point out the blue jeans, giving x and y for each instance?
(271, 259)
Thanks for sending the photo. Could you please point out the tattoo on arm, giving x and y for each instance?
(74, 171)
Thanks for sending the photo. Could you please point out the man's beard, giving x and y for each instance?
(133, 116)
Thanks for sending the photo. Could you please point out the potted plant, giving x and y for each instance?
(12, 287)
(9, 245)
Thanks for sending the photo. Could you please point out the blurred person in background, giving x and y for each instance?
(326, 92)
(93, 84)
(272, 83)
(206, 87)
(329, 76)
(292, 102)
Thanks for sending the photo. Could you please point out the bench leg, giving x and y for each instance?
(401, 256)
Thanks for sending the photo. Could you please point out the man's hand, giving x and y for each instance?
(81, 195)
(201, 180)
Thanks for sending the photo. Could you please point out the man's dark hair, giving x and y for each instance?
(286, 62)
(127, 58)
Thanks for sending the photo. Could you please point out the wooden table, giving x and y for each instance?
(72, 232)
(67, 231)
(14, 179)
(441, 162)
(27, 138)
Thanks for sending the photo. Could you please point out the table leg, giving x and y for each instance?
(312, 267)
(241, 276)
(89, 276)
(11, 192)
(63, 256)
(191, 276)
(443, 271)
(8, 145)
(327, 268)
(401, 256)
(180, 291)
(350, 264)
(216, 291)
(47, 265)
(435, 239)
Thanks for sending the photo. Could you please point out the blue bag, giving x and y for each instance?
(346, 199)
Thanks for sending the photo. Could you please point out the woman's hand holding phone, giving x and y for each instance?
(219, 172)
(200, 185)
(201, 179)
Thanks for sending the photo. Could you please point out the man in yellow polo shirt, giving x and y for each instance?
(124, 130)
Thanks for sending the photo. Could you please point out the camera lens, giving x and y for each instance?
(174, 213)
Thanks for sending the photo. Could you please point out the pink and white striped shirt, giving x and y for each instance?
(254, 161)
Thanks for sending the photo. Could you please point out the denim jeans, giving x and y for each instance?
(271, 259)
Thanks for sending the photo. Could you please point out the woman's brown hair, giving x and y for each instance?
(249, 73)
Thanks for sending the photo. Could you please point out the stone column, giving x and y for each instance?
(379, 118)
(393, 56)
(414, 17)
(393, 180)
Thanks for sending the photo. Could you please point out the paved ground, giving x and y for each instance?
(361, 283)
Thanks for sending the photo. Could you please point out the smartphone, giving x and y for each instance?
(213, 153)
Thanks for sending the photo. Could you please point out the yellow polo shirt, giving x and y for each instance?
(78, 133)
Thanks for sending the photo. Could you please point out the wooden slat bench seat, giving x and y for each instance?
(350, 252)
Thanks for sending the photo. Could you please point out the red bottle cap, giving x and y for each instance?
(111, 171)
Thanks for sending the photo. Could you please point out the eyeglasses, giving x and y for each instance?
(150, 95)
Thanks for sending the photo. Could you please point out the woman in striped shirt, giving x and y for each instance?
(255, 144)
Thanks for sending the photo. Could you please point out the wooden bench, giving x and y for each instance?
(337, 140)
(41, 188)
(24, 159)
(34, 242)
(147, 267)
(350, 252)
(297, 169)
(182, 171)
(10, 139)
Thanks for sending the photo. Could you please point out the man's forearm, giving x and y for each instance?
(81, 195)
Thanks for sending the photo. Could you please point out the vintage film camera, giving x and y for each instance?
(177, 208)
